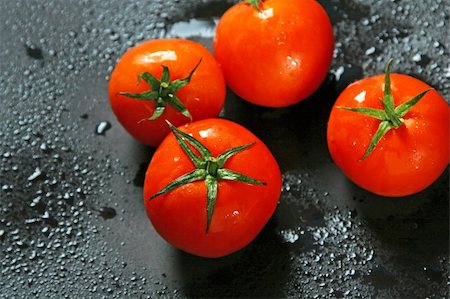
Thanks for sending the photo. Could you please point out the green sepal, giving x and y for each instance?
(176, 85)
(150, 79)
(230, 175)
(178, 105)
(193, 176)
(388, 98)
(165, 76)
(159, 109)
(402, 109)
(208, 168)
(222, 159)
(181, 136)
(373, 112)
(383, 128)
(163, 91)
(254, 3)
(146, 95)
(391, 117)
(211, 197)
(196, 160)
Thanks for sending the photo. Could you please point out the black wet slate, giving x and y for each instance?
(79, 229)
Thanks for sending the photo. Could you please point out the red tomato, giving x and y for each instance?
(278, 55)
(407, 159)
(203, 96)
(241, 209)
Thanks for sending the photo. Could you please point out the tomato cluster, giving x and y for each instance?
(212, 185)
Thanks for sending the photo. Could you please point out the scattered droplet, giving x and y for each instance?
(37, 173)
(289, 235)
(102, 127)
(33, 51)
(370, 51)
(107, 212)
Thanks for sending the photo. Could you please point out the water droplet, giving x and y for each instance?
(417, 58)
(107, 212)
(338, 72)
(102, 127)
(33, 51)
(37, 172)
(370, 51)
(289, 235)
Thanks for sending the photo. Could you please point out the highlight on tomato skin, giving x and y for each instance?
(392, 154)
(276, 55)
(174, 79)
(225, 198)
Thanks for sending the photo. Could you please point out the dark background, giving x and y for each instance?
(72, 222)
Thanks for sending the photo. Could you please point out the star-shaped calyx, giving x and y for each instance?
(162, 92)
(207, 168)
(391, 117)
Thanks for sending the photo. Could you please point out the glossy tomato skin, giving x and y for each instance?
(407, 159)
(241, 209)
(278, 56)
(204, 96)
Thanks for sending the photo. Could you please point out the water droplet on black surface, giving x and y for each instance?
(107, 212)
(33, 51)
(36, 174)
(102, 127)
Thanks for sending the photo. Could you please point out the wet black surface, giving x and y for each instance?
(72, 222)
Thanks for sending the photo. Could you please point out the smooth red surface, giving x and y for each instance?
(204, 96)
(278, 56)
(241, 209)
(407, 159)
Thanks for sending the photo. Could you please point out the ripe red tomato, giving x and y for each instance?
(188, 216)
(407, 159)
(203, 97)
(278, 55)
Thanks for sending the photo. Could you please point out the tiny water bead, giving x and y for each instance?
(107, 212)
(33, 51)
(102, 127)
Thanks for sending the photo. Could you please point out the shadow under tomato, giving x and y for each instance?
(142, 155)
(259, 270)
(296, 135)
(413, 229)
